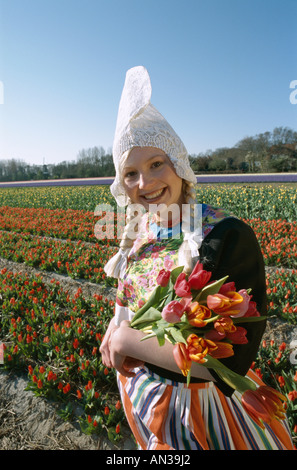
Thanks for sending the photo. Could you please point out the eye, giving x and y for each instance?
(130, 174)
(157, 164)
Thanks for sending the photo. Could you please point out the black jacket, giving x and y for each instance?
(231, 248)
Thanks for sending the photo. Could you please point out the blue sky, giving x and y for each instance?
(220, 70)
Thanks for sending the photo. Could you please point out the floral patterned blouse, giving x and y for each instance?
(154, 249)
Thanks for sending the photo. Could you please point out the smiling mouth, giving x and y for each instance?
(155, 195)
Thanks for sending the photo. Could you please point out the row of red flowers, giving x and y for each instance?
(282, 294)
(76, 259)
(80, 260)
(56, 337)
(278, 241)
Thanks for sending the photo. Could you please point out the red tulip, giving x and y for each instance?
(118, 405)
(222, 329)
(227, 287)
(215, 335)
(181, 286)
(173, 311)
(199, 277)
(238, 336)
(163, 278)
(252, 310)
(292, 396)
(118, 429)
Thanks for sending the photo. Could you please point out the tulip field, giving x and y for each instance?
(55, 335)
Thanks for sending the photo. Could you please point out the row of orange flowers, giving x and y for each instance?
(58, 223)
(277, 238)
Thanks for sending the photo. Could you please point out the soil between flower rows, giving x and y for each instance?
(28, 422)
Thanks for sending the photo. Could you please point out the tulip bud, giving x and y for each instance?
(163, 278)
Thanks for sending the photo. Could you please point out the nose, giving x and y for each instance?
(145, 181)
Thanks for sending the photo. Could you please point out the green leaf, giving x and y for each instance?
(211, 289)
(159, 294)
(175, 273)
(176, 335)
(150, 316)
(188, 378)
(234, 380)
(160, 333)
(248, 319)
(162, 323)
(153, 300)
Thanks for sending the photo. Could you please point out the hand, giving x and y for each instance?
(132, 363)
(105, 345)
(122, 363)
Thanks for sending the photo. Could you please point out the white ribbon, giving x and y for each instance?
(194, 241)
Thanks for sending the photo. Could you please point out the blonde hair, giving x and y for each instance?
(116, 266)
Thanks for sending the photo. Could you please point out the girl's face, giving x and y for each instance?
(149, 178)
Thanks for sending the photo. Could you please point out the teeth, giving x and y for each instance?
(153, 195)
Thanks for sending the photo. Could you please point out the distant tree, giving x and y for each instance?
(283, 135)
(217, 164)
(267, 151)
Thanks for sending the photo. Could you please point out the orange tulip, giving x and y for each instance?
(199, 347)
(182, 359)
(225, 305)
(264, 404)
(225, 325)
(198, 313)
(222, 350)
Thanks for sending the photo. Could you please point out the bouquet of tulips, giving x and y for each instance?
(200, 318)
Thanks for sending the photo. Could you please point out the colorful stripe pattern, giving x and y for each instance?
(167, 415)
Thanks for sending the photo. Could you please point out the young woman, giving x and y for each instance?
(152, 170)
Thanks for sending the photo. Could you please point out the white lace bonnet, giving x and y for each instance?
(139, 124)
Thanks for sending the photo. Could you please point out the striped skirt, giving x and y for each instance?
(167, 415)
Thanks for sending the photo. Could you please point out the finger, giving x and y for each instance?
(105, 357)
(107, 363)
(120, 367)
(125, 372)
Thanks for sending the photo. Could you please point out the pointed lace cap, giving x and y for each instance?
(139, 124)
